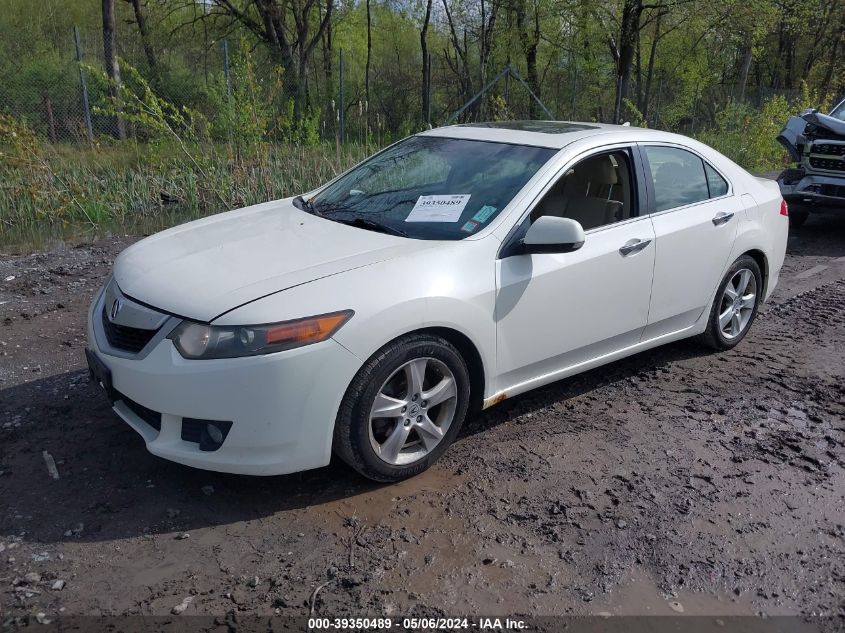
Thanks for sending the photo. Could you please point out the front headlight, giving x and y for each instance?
(199, 341)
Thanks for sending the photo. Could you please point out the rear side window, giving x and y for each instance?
(718, 185)
(678, 177)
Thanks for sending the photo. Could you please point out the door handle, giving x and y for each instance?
(722, 218)
(633, 246)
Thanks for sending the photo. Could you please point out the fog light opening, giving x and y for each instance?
(213, 434)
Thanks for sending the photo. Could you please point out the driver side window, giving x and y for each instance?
(597, 191)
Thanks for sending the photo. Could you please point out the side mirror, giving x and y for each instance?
(550, 234)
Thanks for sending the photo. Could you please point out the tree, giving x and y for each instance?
(287, 28)
(528, 27)
(144, 32)
(110, 60)
(328, 48)
(460, 65)
(426, 66)
(623, 52)
(369, 58)
(678, 63)
(489, 11)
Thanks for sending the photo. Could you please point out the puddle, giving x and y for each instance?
(377, 505)
(638, 594)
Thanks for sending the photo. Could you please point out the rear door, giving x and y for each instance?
(695, 216)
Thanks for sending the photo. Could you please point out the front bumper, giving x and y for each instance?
(282, 406)
(812, 189)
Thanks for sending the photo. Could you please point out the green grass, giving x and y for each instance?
(66, 192)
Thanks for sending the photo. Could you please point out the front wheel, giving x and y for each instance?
(403, 408)
(735, 305)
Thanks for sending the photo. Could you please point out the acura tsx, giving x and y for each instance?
(453, 269)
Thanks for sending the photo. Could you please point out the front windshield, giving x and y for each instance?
(433, 188)
(839, 112)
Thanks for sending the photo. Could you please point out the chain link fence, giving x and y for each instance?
(61, 98)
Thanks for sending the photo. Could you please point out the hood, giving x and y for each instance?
(809, 126)
(204, 268)
(827, 122)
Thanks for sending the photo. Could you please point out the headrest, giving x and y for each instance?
(598, 170)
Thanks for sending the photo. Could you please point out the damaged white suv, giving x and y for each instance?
(452, 270)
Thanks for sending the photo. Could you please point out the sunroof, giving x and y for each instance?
(546, 127)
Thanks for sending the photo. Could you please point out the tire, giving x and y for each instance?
(361, 438)
(722, 336)
(797, 217)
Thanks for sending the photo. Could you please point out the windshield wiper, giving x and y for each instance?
(372, 225)
(305, 205)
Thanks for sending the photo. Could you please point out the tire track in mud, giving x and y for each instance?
(698, 466)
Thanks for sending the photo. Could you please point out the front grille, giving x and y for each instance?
(129, 339)
(821, 151)
(829, 149)
(830, 164)
(153, 418)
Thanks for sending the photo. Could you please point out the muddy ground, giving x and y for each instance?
(678, 480)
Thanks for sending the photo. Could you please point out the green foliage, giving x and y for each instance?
(499, 110)
(635, 117)
(30, 190)
(246, 108)
(747, 135)
(212, 140)
(145, 187)
(136, 102)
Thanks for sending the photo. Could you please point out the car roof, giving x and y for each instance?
(552, 134)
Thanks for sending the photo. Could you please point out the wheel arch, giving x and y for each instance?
(468, 350)
(465, 345)
(470, 354)
(760, 257)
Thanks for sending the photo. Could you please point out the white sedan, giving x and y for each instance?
(452, 270)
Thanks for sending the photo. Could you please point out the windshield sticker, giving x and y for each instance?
(469, 226)
(484, 213)
(438, 208)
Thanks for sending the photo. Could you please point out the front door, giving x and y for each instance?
(557, 311)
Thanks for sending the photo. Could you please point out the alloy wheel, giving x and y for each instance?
(413, 411)
(737, 303)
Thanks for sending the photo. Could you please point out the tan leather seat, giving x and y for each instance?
(583, 194)
(596, 208)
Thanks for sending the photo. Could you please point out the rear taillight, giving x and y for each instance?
(784, 210)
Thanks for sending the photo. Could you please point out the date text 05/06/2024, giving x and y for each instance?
(413, 624)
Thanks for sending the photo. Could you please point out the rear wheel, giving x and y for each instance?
(403, 408)
(735, 305)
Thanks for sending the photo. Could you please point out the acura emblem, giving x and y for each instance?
(115, 308)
